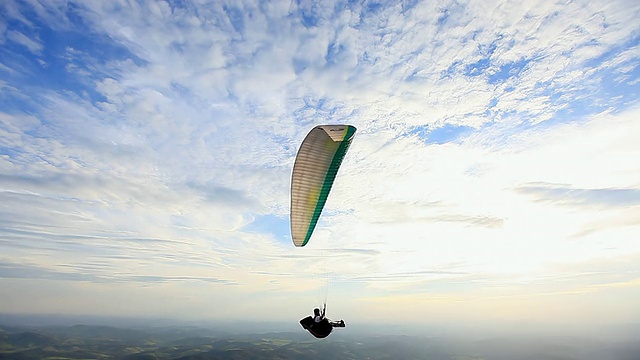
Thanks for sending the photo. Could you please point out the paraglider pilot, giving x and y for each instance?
(318, 325)
(319, 317)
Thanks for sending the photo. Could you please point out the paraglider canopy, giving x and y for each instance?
(314, 171)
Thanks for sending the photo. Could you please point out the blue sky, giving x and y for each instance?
(146, 150)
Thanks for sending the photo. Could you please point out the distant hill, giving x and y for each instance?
(28, 339)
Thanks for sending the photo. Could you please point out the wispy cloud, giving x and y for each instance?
(34, 45)
(565, 195)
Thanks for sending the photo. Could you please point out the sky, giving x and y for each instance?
(146, 150)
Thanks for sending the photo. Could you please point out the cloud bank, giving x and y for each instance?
(146, 149)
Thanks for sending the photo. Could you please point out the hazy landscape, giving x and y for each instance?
(58, 338)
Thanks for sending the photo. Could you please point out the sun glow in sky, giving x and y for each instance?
(146, 150)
